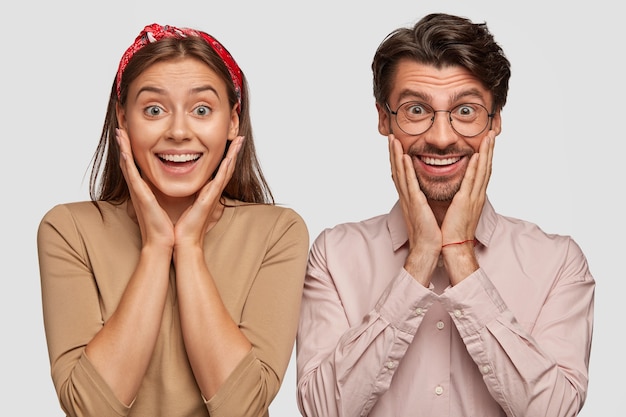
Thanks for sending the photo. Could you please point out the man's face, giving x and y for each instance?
(440, 154)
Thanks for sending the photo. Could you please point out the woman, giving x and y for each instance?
(175, 291)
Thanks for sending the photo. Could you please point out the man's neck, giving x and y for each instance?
(439, 208)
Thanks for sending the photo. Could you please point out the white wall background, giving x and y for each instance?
(558, 161)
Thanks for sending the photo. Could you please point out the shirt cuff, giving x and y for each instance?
(473, 303)
(405, 302)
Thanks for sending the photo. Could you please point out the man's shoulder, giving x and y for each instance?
(530, 237)
(524, 227)
(366, 229)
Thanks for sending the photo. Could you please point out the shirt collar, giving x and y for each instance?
(399, 236)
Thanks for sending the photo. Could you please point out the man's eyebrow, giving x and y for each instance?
(407, 93)
(472, 92)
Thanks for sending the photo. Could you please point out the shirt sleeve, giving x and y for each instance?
(541, 371)
(342, 369)
(71, 317)
(269, 321)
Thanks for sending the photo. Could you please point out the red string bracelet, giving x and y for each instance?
(459, 243)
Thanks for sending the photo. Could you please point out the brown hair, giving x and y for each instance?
(107, 182)
(444, 40)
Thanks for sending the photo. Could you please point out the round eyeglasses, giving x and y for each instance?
(467, 119)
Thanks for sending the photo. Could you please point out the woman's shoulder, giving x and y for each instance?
(264, 212)
(82, 208)
(264, 216)
(83, 212)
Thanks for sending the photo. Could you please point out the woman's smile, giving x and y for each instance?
(179, 163)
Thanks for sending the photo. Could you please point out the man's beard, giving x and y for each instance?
(439, 188)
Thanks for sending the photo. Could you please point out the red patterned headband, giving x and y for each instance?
(155, 32)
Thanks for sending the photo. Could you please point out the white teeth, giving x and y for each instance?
(180, 157)
(434, 161)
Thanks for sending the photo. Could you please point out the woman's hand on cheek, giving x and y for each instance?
(156, 227)
(206, 210)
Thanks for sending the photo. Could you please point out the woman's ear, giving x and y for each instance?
(120, 114)
(233, 129)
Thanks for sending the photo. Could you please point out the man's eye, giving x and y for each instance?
(465, 111)
(202, 110)
(415, 109)
(468, 111)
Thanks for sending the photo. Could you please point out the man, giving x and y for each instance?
(443, 307)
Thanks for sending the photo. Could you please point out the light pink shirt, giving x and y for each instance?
(512, 339)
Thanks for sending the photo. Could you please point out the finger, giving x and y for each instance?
(214, 188)
(138, 189)
(407, 185)
(410, 179)
(397, 165)
(226, 170)
(470, 175)
(233, 152)
(122, 140)
(485, 163)
(127, 162)
(490, 153)
(392, 161)
(126, 156)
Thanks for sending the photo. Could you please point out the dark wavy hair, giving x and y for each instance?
(107, 182)
(444, 40)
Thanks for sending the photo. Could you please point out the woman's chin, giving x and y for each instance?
(177, 193)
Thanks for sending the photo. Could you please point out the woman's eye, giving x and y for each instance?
(154, 111)
(202, 110)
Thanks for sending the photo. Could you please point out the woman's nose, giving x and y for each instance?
(179, 127)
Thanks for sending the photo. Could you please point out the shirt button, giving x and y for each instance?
(485, 369)
(419, 311)
(440, 325)
(438, 390)
(390, 365)
(457, 313)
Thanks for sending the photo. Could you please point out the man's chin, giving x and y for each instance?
(440, 192)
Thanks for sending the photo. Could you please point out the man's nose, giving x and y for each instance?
(441, 134)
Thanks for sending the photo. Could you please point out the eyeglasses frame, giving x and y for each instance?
(432, 120)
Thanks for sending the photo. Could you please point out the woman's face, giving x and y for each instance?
(178, 119)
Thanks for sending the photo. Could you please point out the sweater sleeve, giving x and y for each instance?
(269, 320)
(71, 317)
